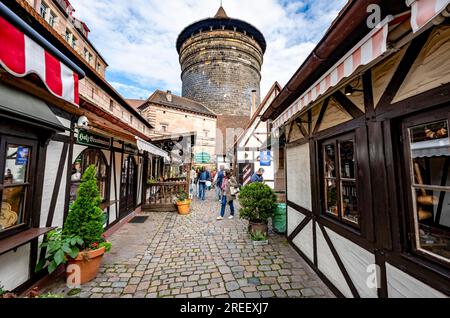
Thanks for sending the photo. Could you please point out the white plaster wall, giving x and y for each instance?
(328, 266)
(304, 241)
(299, 176)
(402, 285)
(294, 218)
(14, 267)
(356, 261)
(54, 150)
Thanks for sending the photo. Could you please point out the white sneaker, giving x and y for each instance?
(219, 218)
(231, 217)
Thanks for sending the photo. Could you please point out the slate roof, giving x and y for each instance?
(185, 104)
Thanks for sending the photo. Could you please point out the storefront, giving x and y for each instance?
(49, 135)
(367, 160)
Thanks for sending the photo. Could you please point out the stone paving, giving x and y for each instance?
(196, 256)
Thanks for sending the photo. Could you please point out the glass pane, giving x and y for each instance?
(330, 161)
(12, 208)
(349, 201)
(331, 196)
(347, 157)
(83, 161)
(430, 160)
(16, 165)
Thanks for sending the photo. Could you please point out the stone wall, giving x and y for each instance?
(180, 122)
(220, 68)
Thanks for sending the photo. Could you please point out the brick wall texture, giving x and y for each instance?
(220, 69)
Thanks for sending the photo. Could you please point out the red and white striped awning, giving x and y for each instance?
(366, 51)
(20, 56)
(423, 12)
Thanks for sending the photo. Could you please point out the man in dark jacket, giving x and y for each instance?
(203, 178)
(258, 176)
(220, 176)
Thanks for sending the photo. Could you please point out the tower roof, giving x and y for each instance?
(221, 21)
(221, 14)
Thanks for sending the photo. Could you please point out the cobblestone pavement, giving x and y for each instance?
(196, 256)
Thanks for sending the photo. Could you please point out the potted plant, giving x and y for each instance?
(81, 240)
(259, 238)
(183, 203)
(258, 203)
(6, 294)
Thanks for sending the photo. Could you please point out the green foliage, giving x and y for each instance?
(151, 181)
(258, 202)
(2, 291)
(182, 196)
(106, 245)
(50, 295)
(258, 236)
(58, 248)
(86, 218)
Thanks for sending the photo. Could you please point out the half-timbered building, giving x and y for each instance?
(367, 151)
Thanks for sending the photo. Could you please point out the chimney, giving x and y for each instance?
(253, 102)
(169, 96)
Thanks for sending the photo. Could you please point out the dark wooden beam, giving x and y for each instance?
(299, 228)
(299, 123)
(347, 104)
(403, 69)
(340, 263)
(321, 114)
(369, 103)
(69, 167)
(57, 186)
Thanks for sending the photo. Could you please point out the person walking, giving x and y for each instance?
(229, 191)
(204, 177)
(218, 182)
(192, 182)
(258, 176)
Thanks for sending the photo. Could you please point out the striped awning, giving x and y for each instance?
(423, 12)
(20, 55)
(366, 51)
(152, 149)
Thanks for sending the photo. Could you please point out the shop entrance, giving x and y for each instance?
(128, 186)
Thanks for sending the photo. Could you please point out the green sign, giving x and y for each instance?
(90, 139)
(203, 157)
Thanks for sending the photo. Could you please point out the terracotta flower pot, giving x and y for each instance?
(89, 263)
(184, 207)
(255, 227)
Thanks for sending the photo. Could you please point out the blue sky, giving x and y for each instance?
(137, 37)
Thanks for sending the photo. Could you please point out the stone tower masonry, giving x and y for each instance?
(221, 61)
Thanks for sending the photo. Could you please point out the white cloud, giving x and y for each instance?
(137, 37)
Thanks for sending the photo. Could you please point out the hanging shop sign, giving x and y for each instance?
(130, 149)
(93, 140)
(265, 159)
(22, 156)
(203, 157)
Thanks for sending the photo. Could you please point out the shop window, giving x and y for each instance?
(340, 180)
(15, 186)
(84, 160)
(429, 156)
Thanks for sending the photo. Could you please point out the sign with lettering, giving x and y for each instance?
(22, 155)
(203, 157)
(265, 159)
(91, 139)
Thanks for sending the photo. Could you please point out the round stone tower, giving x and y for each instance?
(221, 61)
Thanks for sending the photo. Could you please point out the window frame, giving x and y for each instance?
(28, 200)
(410, 247)
(43, 6)
(106, 178)
(339, 219)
